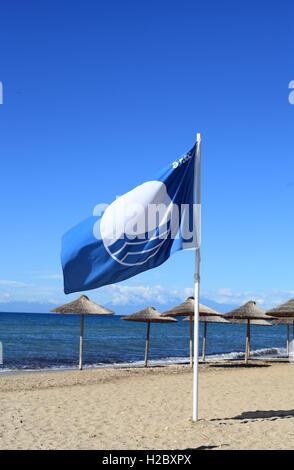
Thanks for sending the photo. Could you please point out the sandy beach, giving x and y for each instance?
(136, 408)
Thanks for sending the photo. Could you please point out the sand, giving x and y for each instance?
(136, 408)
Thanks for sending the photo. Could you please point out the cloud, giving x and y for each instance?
(132, 294)
(13, 283)
(124, 295)
(135, 293)
(14, 291)
(50, 276)
(227, 292)
(4, 297)
(267, 299)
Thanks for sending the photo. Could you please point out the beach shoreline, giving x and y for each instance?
(150, 408)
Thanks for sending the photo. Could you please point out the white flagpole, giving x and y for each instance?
(197, 281)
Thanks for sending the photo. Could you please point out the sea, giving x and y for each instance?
(31, 341)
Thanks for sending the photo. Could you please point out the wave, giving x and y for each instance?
(233, 356)
(258, 353)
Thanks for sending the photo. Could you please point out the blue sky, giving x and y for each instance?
(99, 96)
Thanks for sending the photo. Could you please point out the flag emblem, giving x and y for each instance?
(136, 225)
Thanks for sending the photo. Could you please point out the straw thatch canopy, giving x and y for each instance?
(187, 308)
(209, 319)
(149, 314)
(83, 305)
(248, 311)
(283, 310)
(240, 321)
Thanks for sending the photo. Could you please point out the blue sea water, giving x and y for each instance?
(45, 341)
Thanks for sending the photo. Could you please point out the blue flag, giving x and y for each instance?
(138, 231)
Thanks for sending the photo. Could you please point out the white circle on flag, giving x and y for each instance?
(136, 216)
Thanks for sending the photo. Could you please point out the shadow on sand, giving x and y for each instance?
(238, 365)
(260, 414)
(204, 448)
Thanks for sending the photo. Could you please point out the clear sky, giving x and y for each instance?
(99, 96)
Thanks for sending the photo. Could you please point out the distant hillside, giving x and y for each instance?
(35, 307)
(25, 307)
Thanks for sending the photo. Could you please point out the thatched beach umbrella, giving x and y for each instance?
(187, 308)
(82, 306)
(148, 315)
(284, 321)
(206, 319)
(248, 312)
(285, 310)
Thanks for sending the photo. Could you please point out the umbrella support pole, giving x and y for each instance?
(292, 342)
(81, 342)
(204, 342)
(288, 342)
(147, 345)
(247, 351)
(191, 341)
